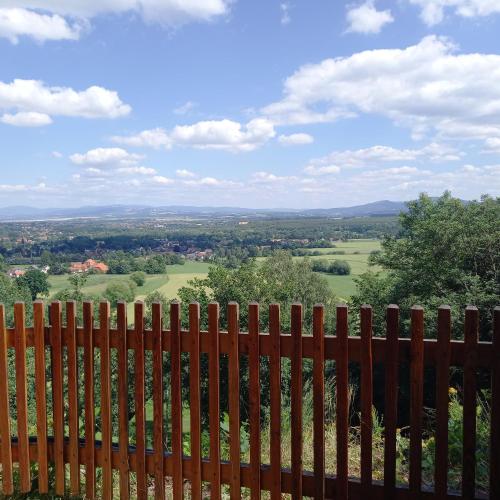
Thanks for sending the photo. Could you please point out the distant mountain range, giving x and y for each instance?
(23, 213)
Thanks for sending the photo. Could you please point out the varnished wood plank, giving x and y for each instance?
(319, 401)
(40, 395)
(366, 397)
(214, 399)
(254, 398)
(107, 475)
(140, 425)
(296, 401)
(88, 367)
(22, 398)
(5, 448)
(471, 336)
(391, 400)
(194, 399)
(416, 400)
(442, 400)
(57, 395)
(73, 415)
(158, 446)
(342, 427)
(123, 429)
(234, 400)
(275, 403)
(495, 409)
(176, 395)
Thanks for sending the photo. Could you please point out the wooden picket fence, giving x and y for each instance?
(96, 460)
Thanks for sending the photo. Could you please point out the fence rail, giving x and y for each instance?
(93, 458)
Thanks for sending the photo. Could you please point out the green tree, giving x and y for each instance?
(36, 281)
(138, 277)
(155, 265)
(340, 268)
(448, 252)
(120, 290)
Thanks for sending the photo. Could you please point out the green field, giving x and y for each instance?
(356, 254)
(177, 276)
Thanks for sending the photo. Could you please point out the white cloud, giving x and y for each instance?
(295, 139)
(56, 154)
(322, 170)
(160, 179)
(26, 119)
(185, 174)
(165, 12)
(492, 145)
(106, 157)
(366, 19)
(16, 22)
(32, 99)
(285, 13)
(428, 87)
(433, 11)
(226, 135)
(185, 108)
(136, 170)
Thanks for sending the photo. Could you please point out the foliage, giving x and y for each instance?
(36, 281)
(138, 277)
(448, 252)
(120, 290)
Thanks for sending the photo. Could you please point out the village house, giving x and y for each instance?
(88, 265)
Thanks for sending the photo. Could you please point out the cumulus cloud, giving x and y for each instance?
(35, 103)
(185, 108)
(285, 13)
(106, 157)
(226, 135)
(433, 11)
(379, 155)
(295, 139)
(427, 87)
(26, 119)
(366, 19)
(16, 22)
(164, 12)
(185, 174)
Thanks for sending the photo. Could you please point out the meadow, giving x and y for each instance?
(356, 254)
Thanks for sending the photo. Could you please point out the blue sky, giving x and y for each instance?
(247, 103)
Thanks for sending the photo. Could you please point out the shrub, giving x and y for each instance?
(340, 268)
(138, 277)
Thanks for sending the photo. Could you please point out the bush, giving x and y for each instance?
(340, 268)
(138, 277)
(120, 290)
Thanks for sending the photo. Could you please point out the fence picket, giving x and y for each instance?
(123, 429)
(275, 397)
(319, 401)
(391, 400)
(214, 399)
(470, 402)
(254, 398)
(176, 390)
(233, 329)
(5, 449)
(366, 397)
(158, 444)
(442, 399)
(140, 423)
(416, 399)
(74, 466)
(88, 367)
(194, 399)
(57, 395)
(107, 473)
(297, 399)
(342, 403)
